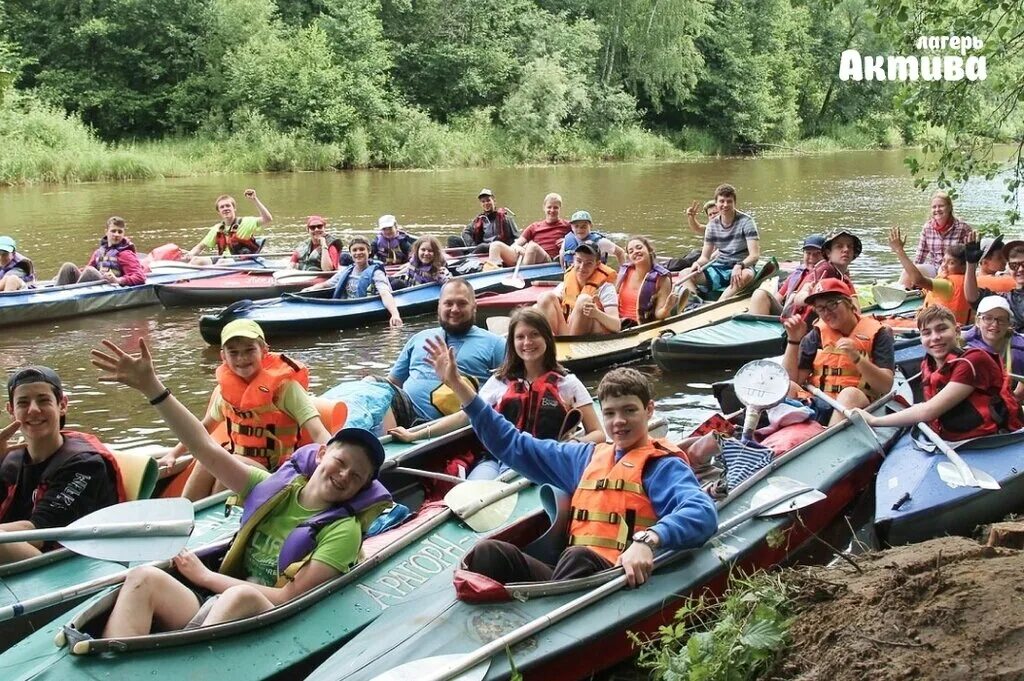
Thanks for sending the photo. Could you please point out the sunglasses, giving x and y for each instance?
(1015, 264)
(316, 228)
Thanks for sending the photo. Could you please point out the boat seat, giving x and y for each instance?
(549, 546)
(139, 472)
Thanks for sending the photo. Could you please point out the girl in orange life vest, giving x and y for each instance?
(341, 473)
(966, 393)
(586, 301)
(262, 397)
(525, 389)
(645, 288)
(947, 288)
(845, 354)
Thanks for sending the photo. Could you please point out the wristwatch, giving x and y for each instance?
(647, 537)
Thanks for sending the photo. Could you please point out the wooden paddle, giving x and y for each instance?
(852, 416)
(515, 281)
(161, 529)
(678, 287)
(790, 495)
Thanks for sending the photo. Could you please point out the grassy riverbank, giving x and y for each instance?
(44, 145)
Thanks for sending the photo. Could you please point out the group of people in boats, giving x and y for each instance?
(631, 494)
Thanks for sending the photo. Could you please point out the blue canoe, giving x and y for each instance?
(49, 303)
(296, 314)
(914, 502)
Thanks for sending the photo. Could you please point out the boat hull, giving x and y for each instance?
(300, 314)
(48, 304)
(840, 462)
(228, 289)
(913, 503)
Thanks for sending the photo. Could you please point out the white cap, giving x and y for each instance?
(989, 303)
(387, 221)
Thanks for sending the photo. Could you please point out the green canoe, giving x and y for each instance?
(35, 591)
(738, 339)
(405, 562)
(411, 639)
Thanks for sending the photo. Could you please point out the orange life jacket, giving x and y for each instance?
(833, 370)
(957, 303)
(610, 503)
(602, 275)
(228, 240)
(256, 428)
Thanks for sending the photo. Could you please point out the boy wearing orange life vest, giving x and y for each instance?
(586, 301)
(847, 355)
(966, 392)
(631, 496)
(261, 397)
(58, 476)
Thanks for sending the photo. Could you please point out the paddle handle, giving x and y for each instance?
(156, 528)
(428, 474)
(485, 652)
(691, 275)
(965, 471)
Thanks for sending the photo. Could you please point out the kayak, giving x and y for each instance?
(49, 303)
(34, 591)
(232, 287)
(413, 558)
(294, 314)
(595, 352)
(745, 337)
(917, 499)
(840, 462)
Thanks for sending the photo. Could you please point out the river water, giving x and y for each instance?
(789, 197)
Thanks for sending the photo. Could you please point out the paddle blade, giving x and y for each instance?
(498, 325)
(950, 474)
(130, 549)
(434, 667)
(887, 296)
(482, 504)
(514, 282)
(779, 487)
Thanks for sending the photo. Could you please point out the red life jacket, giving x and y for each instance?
(74, 443)
(538, 408)
(227, 240)
(984, 412)
(504, 233)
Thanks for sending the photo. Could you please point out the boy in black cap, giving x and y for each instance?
(492, 224)
(57, 476)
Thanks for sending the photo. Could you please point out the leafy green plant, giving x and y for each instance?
(735, 638)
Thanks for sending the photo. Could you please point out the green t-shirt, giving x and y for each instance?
(337, 545)
(291, 399)
(247, 227)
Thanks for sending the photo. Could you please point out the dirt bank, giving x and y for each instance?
(949, 608)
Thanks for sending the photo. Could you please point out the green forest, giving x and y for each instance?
(112, 89)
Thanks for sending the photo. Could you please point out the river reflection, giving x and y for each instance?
(789, 197)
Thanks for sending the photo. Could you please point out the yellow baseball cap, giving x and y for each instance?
(241, 328)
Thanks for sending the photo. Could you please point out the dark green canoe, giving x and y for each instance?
(738, 339)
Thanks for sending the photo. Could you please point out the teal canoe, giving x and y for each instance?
(840, 462)
(740, 338)
(405, 562)
(35, 591)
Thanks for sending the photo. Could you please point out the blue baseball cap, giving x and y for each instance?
(814, 241)
(365, 439)
(6, 244)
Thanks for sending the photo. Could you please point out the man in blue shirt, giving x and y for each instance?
(478, 352)
(630, 497)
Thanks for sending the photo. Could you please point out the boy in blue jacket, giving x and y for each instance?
(631, 496)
